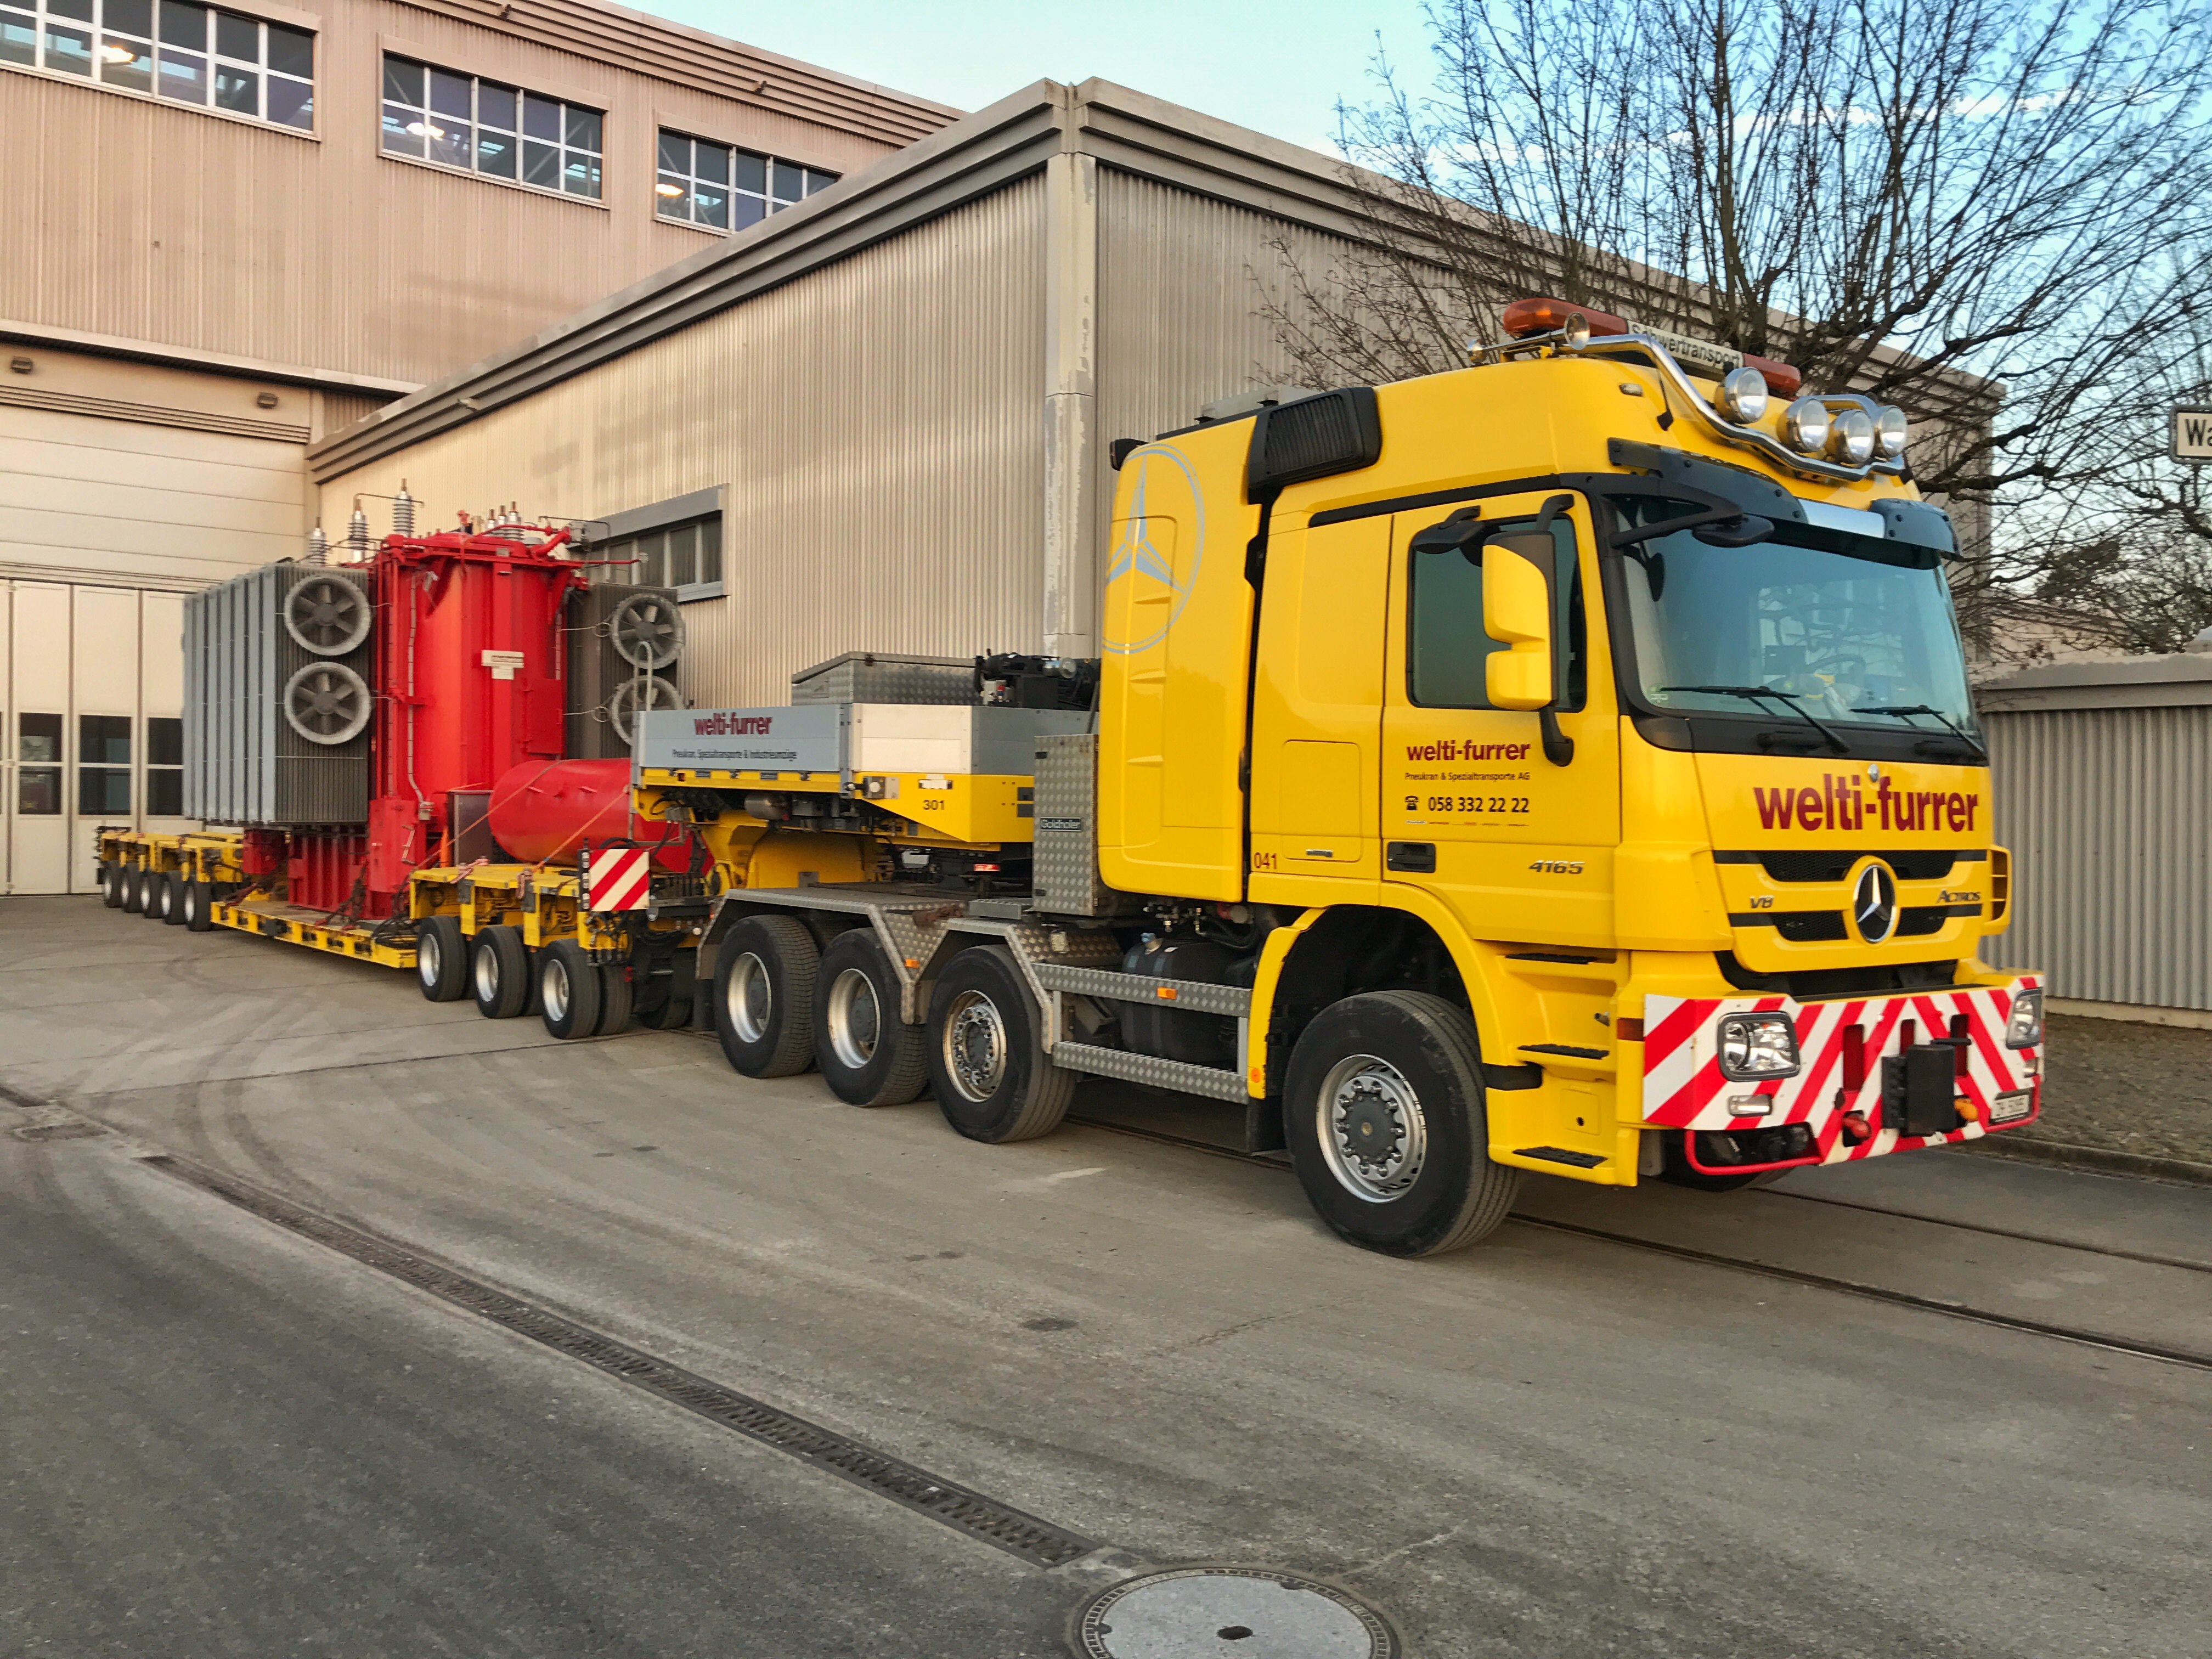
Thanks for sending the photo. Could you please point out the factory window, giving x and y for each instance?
(687, 557)
(481, 126)
(103, 764)
(723, 188)
(177, 49)
(38, 771)
(165, 768)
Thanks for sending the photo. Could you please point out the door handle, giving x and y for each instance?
(1414, 857)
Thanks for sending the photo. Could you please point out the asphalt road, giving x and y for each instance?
(216, 1438)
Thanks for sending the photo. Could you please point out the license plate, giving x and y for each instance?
(2009, 1108)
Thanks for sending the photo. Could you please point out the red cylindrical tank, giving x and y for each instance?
(543, 812)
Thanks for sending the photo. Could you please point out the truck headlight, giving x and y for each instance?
(2025, 1029)
(1757, 1045)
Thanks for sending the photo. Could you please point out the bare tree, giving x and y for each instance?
(1994, 214)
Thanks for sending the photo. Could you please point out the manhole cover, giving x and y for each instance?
(1230, 1613)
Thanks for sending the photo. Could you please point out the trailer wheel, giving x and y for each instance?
(194, 900)
(499, 973)
(867, 1054)
(110, 885)
(441, 959)
(618, 998)
(1385, 1107)
(764, 996)
(172, 897)
(134, 891)
(987, 1061)
(569, 987)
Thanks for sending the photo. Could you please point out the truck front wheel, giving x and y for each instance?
(987, 1061)
(865, 1056)
(764, 978)
(1385, 1110)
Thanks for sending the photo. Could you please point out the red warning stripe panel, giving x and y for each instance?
(621, 879)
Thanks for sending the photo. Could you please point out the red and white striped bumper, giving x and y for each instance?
(1683, 1088)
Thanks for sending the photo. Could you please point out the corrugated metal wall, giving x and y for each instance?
(229, 236)
(1208, 270)
(2108, 814)
(876, 425)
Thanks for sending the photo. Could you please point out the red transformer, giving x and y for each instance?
(468, 679)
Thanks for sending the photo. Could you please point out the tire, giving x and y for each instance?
(1403, 1067)
(134, 891)
(193, 899)
(172, 897)
(441, 959)
(499, 973)
(764, 996)
(110, 885)
(569, 987)
(987, 1061)
(866, 1053)
(618, 998)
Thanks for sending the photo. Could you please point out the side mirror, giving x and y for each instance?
(1516, 612)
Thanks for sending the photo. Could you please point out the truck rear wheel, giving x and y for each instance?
(134, 891)
(172, 906)
(568, 990)
(764, 978)
(195, 897)
(987, 1061)
(441, 959)
(110, 885)
(866, 1055)
(1385, 1110)
(499, 973)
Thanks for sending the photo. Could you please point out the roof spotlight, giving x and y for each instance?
(1575, 332)
(1889, 432)
(1805, 426)
(1851, 442)
(1743, 395)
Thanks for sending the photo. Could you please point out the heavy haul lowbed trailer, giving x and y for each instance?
(1563, 765)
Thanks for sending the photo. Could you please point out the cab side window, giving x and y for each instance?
(1445, 645)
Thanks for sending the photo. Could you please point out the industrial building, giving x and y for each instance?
(237, 228)
(883, 419)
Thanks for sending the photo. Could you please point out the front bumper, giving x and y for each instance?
(1839, 1092)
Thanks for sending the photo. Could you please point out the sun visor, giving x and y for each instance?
(1733, 484)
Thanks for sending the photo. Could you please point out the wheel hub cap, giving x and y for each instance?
(855, 1021)
(976, 1047)
(1372, 1133)
(749, 997)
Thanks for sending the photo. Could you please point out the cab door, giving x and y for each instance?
(1518, 843)
(1317, 715)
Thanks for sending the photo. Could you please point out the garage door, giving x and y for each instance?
(105, 525)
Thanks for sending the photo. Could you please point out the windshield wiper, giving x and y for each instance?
(1902, 710)
(1787, 699)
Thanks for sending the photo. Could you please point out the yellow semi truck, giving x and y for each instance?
(1563, 764)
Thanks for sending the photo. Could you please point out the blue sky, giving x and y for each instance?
(1276, 65)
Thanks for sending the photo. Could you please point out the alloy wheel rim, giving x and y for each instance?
(749, 998)
(427, 950)
(555, 990)
(854, 1019)
(976, 1047)
(486, 970)
(1373, 1134)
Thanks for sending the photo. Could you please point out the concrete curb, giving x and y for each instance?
(2097, 1159)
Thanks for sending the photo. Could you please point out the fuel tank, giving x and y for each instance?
(545, 812)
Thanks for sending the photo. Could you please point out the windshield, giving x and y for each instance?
(1852, 638)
